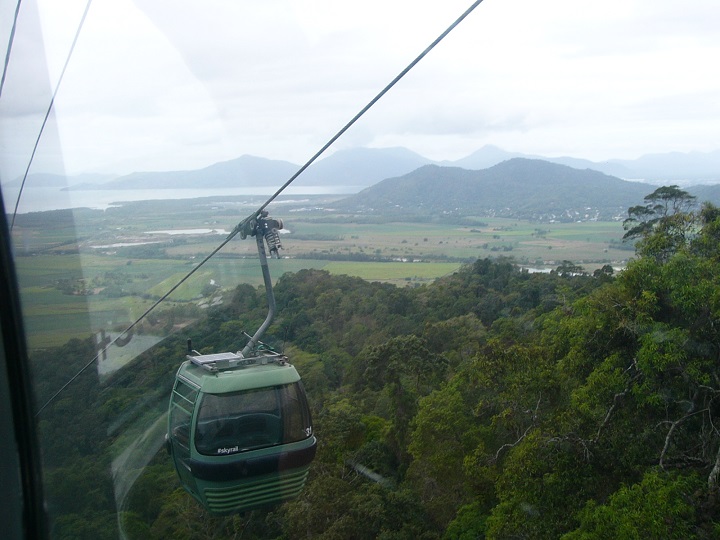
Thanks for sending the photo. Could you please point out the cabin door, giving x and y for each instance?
(182, 405)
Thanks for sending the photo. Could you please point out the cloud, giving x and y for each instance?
(173, 84)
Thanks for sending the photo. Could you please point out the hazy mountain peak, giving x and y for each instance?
(360, 167)
(522, 188)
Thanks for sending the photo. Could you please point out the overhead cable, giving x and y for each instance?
(47, 113)
(11, 40)
(243, 226)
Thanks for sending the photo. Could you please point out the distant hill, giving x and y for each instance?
(681, 168)
(362, 166)
(59, 181)
(490, 155)
(518, 188)
(358, 167)
(245, 171)
(485, 157)
(704, 193)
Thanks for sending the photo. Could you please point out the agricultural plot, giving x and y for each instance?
(397, 273)
(590, 244)
(133, 255)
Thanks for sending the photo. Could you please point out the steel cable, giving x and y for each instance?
(242, 227)
(49, 110)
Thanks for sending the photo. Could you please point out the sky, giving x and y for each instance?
(180, 84)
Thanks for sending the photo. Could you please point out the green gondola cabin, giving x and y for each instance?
(239, 430)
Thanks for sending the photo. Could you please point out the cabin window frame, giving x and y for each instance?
(268, 417)
(184, 398)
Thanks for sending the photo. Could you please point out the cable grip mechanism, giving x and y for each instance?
(268, 227)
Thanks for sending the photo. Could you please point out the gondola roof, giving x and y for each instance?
(239, 378)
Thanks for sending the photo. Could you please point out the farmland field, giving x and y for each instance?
(134, 254)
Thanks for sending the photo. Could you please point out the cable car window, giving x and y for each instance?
(296, 415)
(231, 423)
(186, 391)
(181, 412)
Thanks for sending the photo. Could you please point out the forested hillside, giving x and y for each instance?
(519, 188)
(493, 403)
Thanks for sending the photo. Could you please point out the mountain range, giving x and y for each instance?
(395, 183)
(683, 169)
(363, 167)
(518, 188)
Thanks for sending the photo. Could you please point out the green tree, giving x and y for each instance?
(445, 431)
(660, 506)
(663, 224)
(707, 242)
(544, 481)
(407, 370)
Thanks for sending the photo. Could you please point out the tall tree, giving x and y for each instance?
(407, 370)
(663, 223)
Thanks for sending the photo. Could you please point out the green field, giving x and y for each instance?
(401, 274)
(123, 262)
(591, 244)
